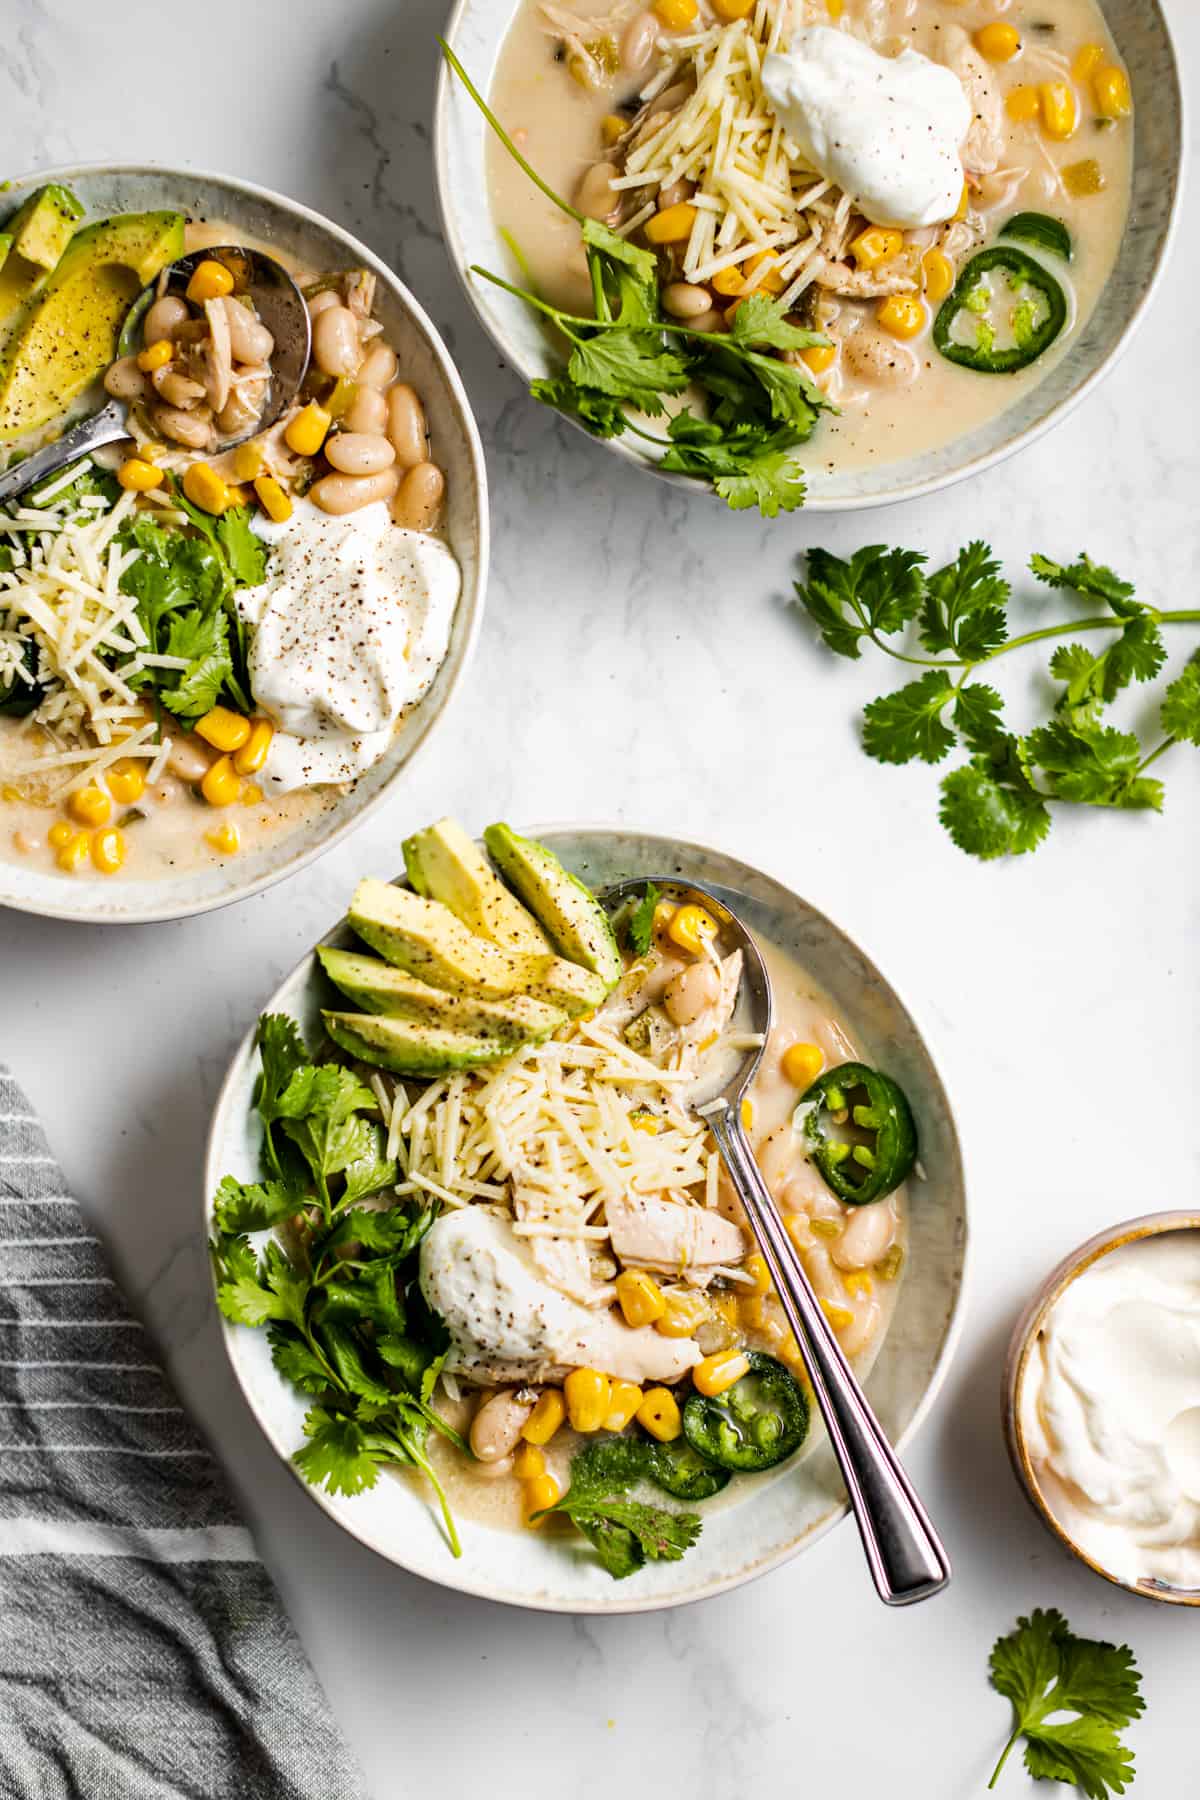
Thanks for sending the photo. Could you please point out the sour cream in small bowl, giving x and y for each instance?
(1102, 1405)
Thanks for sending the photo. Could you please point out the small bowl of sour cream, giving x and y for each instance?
(1102, 1405)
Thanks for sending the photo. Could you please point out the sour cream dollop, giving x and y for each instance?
(1111, 1410)
(887, 129)
(349, 628)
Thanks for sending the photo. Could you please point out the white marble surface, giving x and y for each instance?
(639, 662)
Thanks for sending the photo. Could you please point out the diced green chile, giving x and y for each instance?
(1042, 229)
(760, 1421)
(982, 355)
(856, 1172)
(680, 1470)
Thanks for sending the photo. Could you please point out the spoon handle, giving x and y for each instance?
(906, 1558)
(104, 427)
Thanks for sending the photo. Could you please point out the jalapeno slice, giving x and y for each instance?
(1037, 317)
(859, 1172)
(758, 1422)
(680, 1470)
(1042, 229)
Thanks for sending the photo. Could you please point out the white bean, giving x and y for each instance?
(419, 498)
(189, 758)
(176, 388)
(691, 991)
(124, 379)
(379, 366)
(322, 302)
(496, 1427)
(192, 428)
(856, 1336)
(249, 338)
(685, 300)
(359, 452)
(406, 425)
(638, 41)
(868, 1234)
(336, 349)
(875, 356)
(366, 412)
(594, 197)
(346, 493)
(164, 318)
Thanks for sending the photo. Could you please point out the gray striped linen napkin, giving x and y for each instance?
(144, 1653)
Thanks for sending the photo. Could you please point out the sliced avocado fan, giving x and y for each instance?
(573, 918)
(443, 863)
(379, 988)
(405, 1047)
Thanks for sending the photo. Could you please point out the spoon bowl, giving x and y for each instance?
(278, 302)
(906, 1558)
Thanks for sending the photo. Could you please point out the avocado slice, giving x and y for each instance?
(575, 922)
(443, 863)
(42, 228)
(379, 988)
(66, 333)
(426, 940)
(408, 1048)
(5, 246)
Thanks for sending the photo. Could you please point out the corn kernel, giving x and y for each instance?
(724, 1304)
(528, 1463)
(210, 280)
(1087, 60)
(126, 781)
(275, 503)
(835, 8)
(801, 1064)
(799, 1230)
(108, 850)
(716, 1373)
(839, 1316)
(138, 477)
(727, 281)
(755, 1266)
(74, 851)
(752, 1313)
(999, 43)
(223, 729)
(205, 488)
(1060, 109)
(937, 275)
(1022, 104)
(682, 1313)
(627, 1396)
(676, 15)
(307, 431)
(250, 755)
(247, 461)
(819, 357)
(545, 1418)
(11, 792)
(221, 786)
(90, 806)
(639, 1297)
(1110, 89)
(964, 201)
(672, 225)
(641, 1120)
(613, 128)
(60, 833)
(226, 840)
(876, 245)
(540, 1493)
(902, 314)
(659, 1415)
(748, 1115)
(664, 912)
(1084, 178)
(691, 929)
(890, 1263)
(826, 1228)
(769, 281)
(251, 794)
(588, 1393)
(857, 1282)
(732, 9)
(155, 356)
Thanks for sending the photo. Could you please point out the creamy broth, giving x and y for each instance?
(803, 1014)
(558, 124)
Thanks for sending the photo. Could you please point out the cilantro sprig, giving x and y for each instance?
(1071, 1698)
(336, 1288)
(952, 624)
(626, 361)
(626, 1534)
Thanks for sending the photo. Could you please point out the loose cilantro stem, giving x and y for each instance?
(1004, 1755)
(500, 132)
(1186, 616)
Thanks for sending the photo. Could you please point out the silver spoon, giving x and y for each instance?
(907, 1559)
(278, 303)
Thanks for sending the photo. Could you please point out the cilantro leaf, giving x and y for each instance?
(641, 921)
(1044, 1670)
(625, 276)
(246, 1206)
(296, 1360)
(631, 365)
(1094, 678)
(245, 553)
(1181, 705)
(626, 1534)
(1093, 765)
(204, 640)
(367, 1176)
(875, 593)
(598, 413)
(250, 1293)
(336, 1456)
(987, 819)
(977, 713)
(1083, 576)
(748, 465)
(763, 387)
(761, 322)
(964, 609)
(347, 1358)
(281, 1052)
(909, 723)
